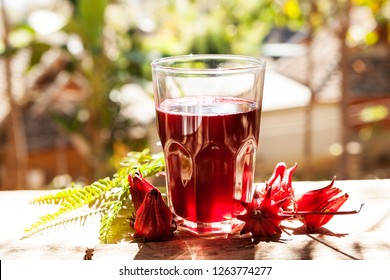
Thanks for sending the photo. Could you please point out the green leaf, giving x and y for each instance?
(38, 50)
(80, 219)
(69, 201)
(148, 164)
(114, 207)
(9, 52)
(90, 14)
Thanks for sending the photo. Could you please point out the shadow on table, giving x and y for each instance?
(186, 247)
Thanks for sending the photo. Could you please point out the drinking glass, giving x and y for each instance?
(208, 110)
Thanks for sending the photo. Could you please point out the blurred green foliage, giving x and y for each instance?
(120, 38)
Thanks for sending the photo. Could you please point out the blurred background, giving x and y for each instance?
(76, 95)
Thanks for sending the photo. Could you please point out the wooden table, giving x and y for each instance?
(360, 236)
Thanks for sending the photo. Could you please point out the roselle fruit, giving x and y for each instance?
(323, 204)
(263, 216)
(281, 184)
(153, 220)
(139, 187)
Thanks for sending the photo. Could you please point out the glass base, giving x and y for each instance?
(210, 229)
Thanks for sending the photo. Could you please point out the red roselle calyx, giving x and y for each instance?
(277, 201)
(154, 220)
(139, 187)
(316, 207)
(263, 216)
(281, 184)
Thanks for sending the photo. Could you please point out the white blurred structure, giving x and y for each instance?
(282, 129)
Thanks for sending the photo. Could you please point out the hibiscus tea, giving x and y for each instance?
(208, 119)
(209, 145)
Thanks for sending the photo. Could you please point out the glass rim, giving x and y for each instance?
(249, 64)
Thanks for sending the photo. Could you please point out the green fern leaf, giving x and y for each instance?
(154, 166)
(109, 196)
(54, 198)
(113, 209)
(75, 200)
(144, 162)
(149, 164)
(81, 219)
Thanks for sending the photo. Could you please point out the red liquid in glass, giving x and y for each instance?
(209, 145)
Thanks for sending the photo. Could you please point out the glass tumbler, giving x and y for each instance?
(208, 111)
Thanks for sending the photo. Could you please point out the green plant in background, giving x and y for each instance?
(111, 54)
(202, 26)
(120, 38)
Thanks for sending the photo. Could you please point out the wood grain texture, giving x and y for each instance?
(360, 236)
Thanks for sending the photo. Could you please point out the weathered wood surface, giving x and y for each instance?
(360, 236)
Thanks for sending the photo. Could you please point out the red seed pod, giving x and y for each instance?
(139, 187)
(153, 219)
